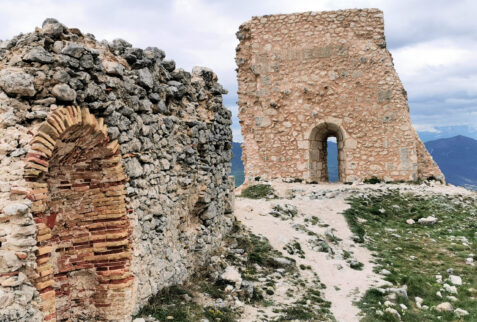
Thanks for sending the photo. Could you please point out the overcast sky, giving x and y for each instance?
(433, 42)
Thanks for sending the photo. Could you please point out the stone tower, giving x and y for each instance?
(306, 77)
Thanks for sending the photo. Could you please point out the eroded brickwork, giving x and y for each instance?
(77, 188)
(306, 77)
(114, 172)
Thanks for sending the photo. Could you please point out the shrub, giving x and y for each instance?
(258, 191)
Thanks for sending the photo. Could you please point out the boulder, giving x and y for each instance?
(14, 81)
(444, 307)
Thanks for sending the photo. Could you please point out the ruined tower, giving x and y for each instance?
(306, 77)
(114, 172)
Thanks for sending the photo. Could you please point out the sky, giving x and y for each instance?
(433, 43)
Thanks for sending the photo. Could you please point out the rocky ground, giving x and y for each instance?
(338, 252)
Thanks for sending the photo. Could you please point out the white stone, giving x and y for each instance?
(404, 307)
(393, 312)
(452, 298)
(460, 312)
(429, 220)
(384, 272)
(418, 301)
(232, 275)
(388, 303)
(410, 221)
(456, 280)
(444, 307)
(15, 209)
(451, 289)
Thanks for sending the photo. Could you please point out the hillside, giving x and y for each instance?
(362, 252)
(456, 156)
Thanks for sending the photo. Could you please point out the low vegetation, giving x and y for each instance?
(420, 261)
(258, 191)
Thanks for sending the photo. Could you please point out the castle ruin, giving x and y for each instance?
(114, 172)
(306, 77)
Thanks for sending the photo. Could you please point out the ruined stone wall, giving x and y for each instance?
(305, 77)
(114, 172)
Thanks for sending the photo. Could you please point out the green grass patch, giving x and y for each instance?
(415, 254)
(258, 191)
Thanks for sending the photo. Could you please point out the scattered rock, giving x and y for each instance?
(384, 272)
(410, 221)
(456, 280)
(282, 261)
(430, 220)
(393, 312)
(444, 307)
(418, 301)
(452, 298)
(451, 289)
(460, 312)
(232, 275)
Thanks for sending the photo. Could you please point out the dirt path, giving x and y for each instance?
(344, 284)
(320, 209)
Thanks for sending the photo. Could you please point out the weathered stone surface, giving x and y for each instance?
(63, 93)
(40, 55)
(8, 262)
(113, 68)
(15, 81)
(324, 74)
(142, 212)
(15, 209)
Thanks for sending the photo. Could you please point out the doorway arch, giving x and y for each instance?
(318, 158)
(76, 182)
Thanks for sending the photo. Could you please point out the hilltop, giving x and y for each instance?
(334, 252)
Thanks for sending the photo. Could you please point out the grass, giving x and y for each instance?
(170, 303)
(372, 180)
(415, 254)
(258, 191)
(309, 307)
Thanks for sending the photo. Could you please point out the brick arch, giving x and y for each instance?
(76, 182)
(318, 145)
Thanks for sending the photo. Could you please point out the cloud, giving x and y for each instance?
(433, 42)
(426, 128)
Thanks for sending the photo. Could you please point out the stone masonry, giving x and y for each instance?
(114, 172)
(306, 77)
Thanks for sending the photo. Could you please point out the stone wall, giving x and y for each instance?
(305, 77)
(114, 172)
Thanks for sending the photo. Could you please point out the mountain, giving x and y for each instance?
(456, 156)
(237, 165)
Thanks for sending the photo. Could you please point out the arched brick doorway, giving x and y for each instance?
(77, 188)
(319, 152)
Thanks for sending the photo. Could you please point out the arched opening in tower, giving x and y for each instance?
(84, 231)
(327, 163)
(332, 158)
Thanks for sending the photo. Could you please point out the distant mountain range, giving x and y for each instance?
(456, 156)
